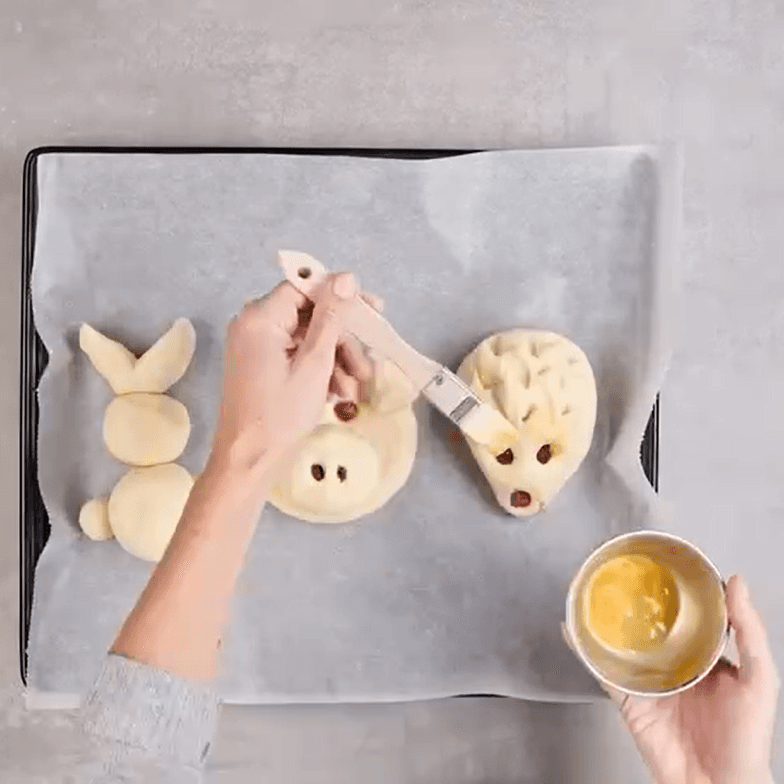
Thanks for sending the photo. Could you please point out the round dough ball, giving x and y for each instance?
(543, 384)
(348, 468)
(94, 519)
(143, 429)
(145, 507)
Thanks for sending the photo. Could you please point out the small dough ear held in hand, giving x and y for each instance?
(155, 371)
(94, 520)
(143, 429)
(145, 507)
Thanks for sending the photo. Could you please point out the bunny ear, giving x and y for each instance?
(167, 360)
(155, 371)
(112, 361)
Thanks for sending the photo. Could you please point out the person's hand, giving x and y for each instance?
(283, 356)
(721, 730)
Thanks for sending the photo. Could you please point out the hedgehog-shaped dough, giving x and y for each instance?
(543, 384)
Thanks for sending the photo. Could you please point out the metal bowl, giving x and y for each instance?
(695, 642)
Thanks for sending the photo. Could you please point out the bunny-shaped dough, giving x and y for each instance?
(148, 430)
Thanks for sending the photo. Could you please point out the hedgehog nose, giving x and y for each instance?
(520, 499)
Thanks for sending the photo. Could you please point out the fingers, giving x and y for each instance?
(343, 385)
(352, 357)
(377, 303)
(350, 353)
(279, 309)
(757, 667)
(321, 339)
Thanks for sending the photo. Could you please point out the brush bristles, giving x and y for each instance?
(487, 426)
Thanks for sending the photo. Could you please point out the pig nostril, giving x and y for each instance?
(317, 471)
(342, 473)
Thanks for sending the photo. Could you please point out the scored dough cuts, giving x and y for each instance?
(351, 465)
(543, 384)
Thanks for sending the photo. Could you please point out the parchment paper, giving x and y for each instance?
(439, 593)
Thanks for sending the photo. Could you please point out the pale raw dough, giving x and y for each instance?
(145, 507)
(344, 470)
(143, 429)
(154, 371)
(94, 519)
(543, 384)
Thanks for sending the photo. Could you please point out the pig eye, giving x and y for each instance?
(317, 471)
(342, 473)
(346, 410)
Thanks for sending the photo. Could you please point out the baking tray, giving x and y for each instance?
(33, 519)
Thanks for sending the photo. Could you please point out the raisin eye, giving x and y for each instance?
(346, 410)
(544, 454)
(505, 458)
(317, 471)
(342, 473)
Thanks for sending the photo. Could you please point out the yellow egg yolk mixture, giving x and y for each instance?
(632, 603)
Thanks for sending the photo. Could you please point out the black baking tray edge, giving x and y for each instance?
(33, 520)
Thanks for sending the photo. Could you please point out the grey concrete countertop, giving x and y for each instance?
(502, 73)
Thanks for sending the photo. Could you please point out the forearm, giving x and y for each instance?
(178, 621)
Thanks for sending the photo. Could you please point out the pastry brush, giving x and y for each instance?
(448, 393)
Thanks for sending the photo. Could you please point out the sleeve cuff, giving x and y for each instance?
(143, 707)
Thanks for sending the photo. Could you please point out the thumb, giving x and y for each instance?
(757, 668)
(324, 330)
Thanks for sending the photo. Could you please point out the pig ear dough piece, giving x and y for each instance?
(389, 389)
(94, 520)
(155, 371)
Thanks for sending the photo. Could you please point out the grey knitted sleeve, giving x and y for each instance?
(144, 724)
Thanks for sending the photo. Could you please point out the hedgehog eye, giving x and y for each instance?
(506, 457)
(544, 454)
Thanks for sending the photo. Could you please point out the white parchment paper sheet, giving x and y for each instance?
(439, 593)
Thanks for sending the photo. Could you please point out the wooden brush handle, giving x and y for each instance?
(307, 274)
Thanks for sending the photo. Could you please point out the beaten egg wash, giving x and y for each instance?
(632, 603)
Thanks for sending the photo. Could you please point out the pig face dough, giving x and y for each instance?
(350, 466)
(143, 429)
(543, 384)
(145, 507)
